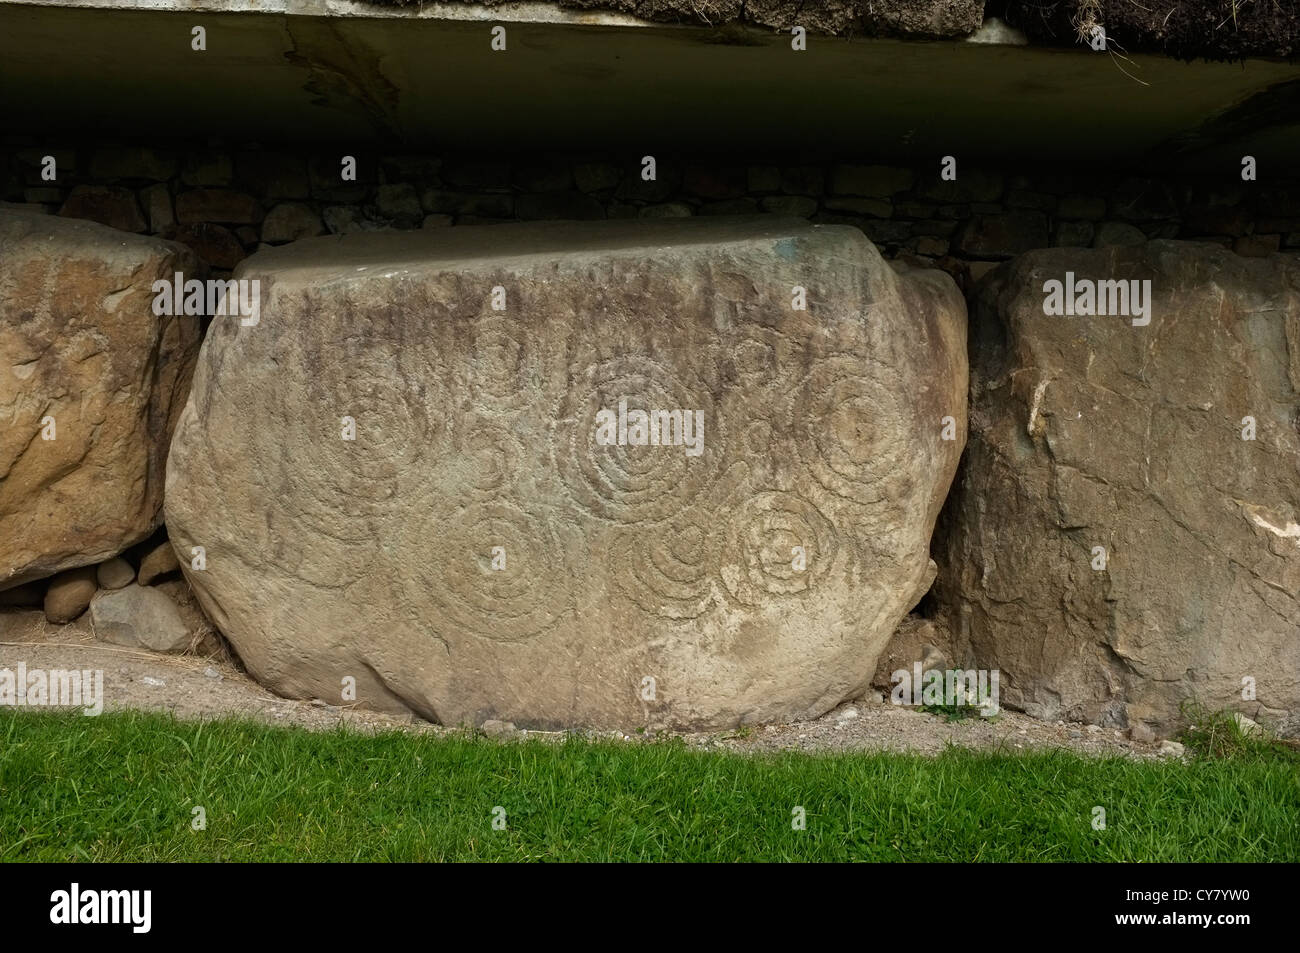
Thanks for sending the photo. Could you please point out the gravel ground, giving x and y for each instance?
(869, 725)
(194, 687)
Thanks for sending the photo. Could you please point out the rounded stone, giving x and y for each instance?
(115, 573)
(139, 617)
(158, 561)
(69, 594)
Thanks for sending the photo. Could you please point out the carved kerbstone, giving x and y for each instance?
(503, 537)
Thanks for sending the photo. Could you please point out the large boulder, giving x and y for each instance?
(86, 362)
(480, 551)
(1114, 546)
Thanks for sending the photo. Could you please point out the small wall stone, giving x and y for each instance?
(1003, 236)
(109, 205)
(879, 181)
(290, 221)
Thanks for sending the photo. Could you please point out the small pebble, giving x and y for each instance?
(495, 728)
(1140, 732)
(1171, 749)
(149, 680)
(1245, 725)
(211, 672)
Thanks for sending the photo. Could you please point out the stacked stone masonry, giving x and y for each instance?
(226, 203)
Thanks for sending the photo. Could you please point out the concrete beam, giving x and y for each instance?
(427, 78)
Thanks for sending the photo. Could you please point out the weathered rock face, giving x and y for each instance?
(477, 551)
(84, 361)
(1094, 432)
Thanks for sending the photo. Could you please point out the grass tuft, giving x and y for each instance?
(1220, 734)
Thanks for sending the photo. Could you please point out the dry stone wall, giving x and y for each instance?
(227, 202)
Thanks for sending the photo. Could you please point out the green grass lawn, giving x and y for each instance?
(122, 787)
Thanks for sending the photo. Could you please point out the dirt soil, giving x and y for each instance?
(197, 687)
(1183, 29)
(930, 19)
